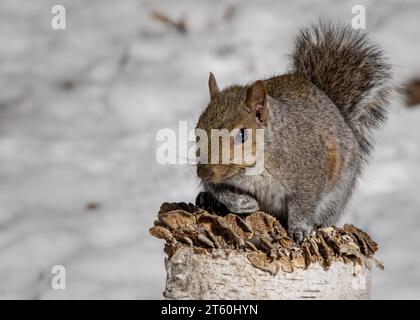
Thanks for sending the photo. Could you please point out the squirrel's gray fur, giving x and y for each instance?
(318, 125)
(350, 69)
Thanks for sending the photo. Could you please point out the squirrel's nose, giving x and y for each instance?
(204, 172)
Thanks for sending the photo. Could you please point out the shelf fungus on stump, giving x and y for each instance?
(252, 257)
(266, 243)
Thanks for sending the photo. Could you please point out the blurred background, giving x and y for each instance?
(79, 113)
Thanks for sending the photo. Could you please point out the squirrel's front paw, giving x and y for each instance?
(240, 203)
(223, 200)
(300, 232)
(208, 202)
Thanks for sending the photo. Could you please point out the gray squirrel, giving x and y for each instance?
(318, 121)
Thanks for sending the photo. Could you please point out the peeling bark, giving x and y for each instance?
(252, 257)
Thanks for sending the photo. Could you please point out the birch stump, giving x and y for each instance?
(252, 257)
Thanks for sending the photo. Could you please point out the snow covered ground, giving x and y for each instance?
(80, 108)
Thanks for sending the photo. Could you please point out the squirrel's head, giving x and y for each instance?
(227, 130)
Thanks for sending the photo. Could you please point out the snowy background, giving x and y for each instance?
(80, 109)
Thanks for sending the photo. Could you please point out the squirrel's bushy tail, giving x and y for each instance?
(350, 69)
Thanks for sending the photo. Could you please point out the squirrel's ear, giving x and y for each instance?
(213, 88)
(257, 100)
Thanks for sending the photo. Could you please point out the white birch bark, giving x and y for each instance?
(228, 274)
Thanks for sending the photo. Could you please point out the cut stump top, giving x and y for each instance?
(262, 238)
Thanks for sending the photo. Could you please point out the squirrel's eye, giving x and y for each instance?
(241, 136)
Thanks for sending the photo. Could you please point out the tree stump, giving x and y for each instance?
(252, 257)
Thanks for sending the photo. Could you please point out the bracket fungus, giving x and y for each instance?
(258, 238)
